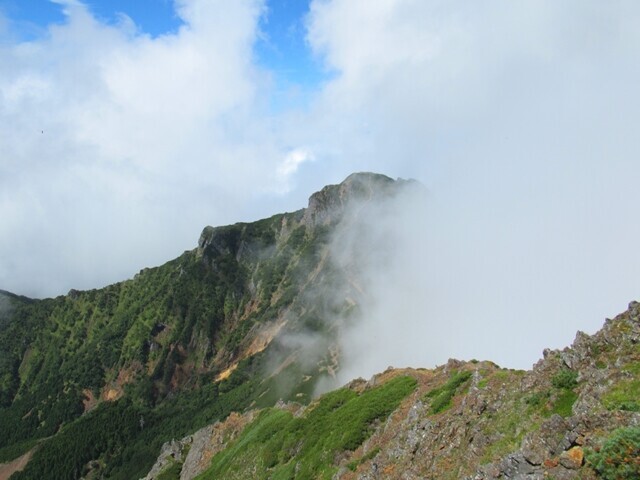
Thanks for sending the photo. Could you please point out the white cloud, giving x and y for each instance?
(292, 162)
(520, 117)
(117, 148)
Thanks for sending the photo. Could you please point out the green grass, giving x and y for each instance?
(564, 383)
(508, 427)
(537, 400)
(625, 395)
(564, 403)
(171, 473)
(441, 397)
(633, 368)
(353, 466)
(279, 446)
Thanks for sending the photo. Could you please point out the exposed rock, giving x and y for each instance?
(73, 294)
(170, 453)
(534, 450)
(572, 458)
(327, 206)
(195, 451)
(218, 241)
(515, 466)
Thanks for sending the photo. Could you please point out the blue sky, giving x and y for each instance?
(281, 46)
(152, 16)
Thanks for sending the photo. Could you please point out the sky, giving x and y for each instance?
(126, 127)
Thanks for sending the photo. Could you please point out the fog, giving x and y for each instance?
(433, 287)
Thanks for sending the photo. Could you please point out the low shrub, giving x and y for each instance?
(565, 378)
(619, 456)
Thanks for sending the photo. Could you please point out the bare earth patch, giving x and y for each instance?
(17, 465)
(89, 401)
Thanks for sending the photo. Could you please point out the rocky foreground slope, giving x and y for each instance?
(463, 420)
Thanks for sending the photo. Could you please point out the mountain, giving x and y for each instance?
(216, 361)
(124, 368)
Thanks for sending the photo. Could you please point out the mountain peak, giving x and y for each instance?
(367, 178)
(328, 204)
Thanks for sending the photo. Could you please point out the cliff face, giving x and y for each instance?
(327, 206)
(469, 420)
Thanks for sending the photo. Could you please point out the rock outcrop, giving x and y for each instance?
(327, 205)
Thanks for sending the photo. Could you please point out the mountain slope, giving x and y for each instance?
(469, 420)
(234, 339)
(178, 345)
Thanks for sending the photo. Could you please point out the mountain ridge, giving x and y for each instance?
(193, 328)
(94, 383)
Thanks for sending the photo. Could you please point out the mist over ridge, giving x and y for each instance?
(426, 293)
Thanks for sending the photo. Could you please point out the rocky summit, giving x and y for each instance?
(211, 365)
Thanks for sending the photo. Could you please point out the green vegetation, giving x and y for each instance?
(516, 416)
(565, 378)
(353, 466)
(114, 433)
(558, 400)
(537, 400)
(159, 329)
(564, 382)
(564, 403)
(340, 421)
(625, 395)
(171, 473)
(441, 397)
(104, 430)
(16, 450)
(511, 430)
(619, 456)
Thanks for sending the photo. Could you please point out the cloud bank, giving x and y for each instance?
(521, 118)
(425, 294)
(117, 148)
